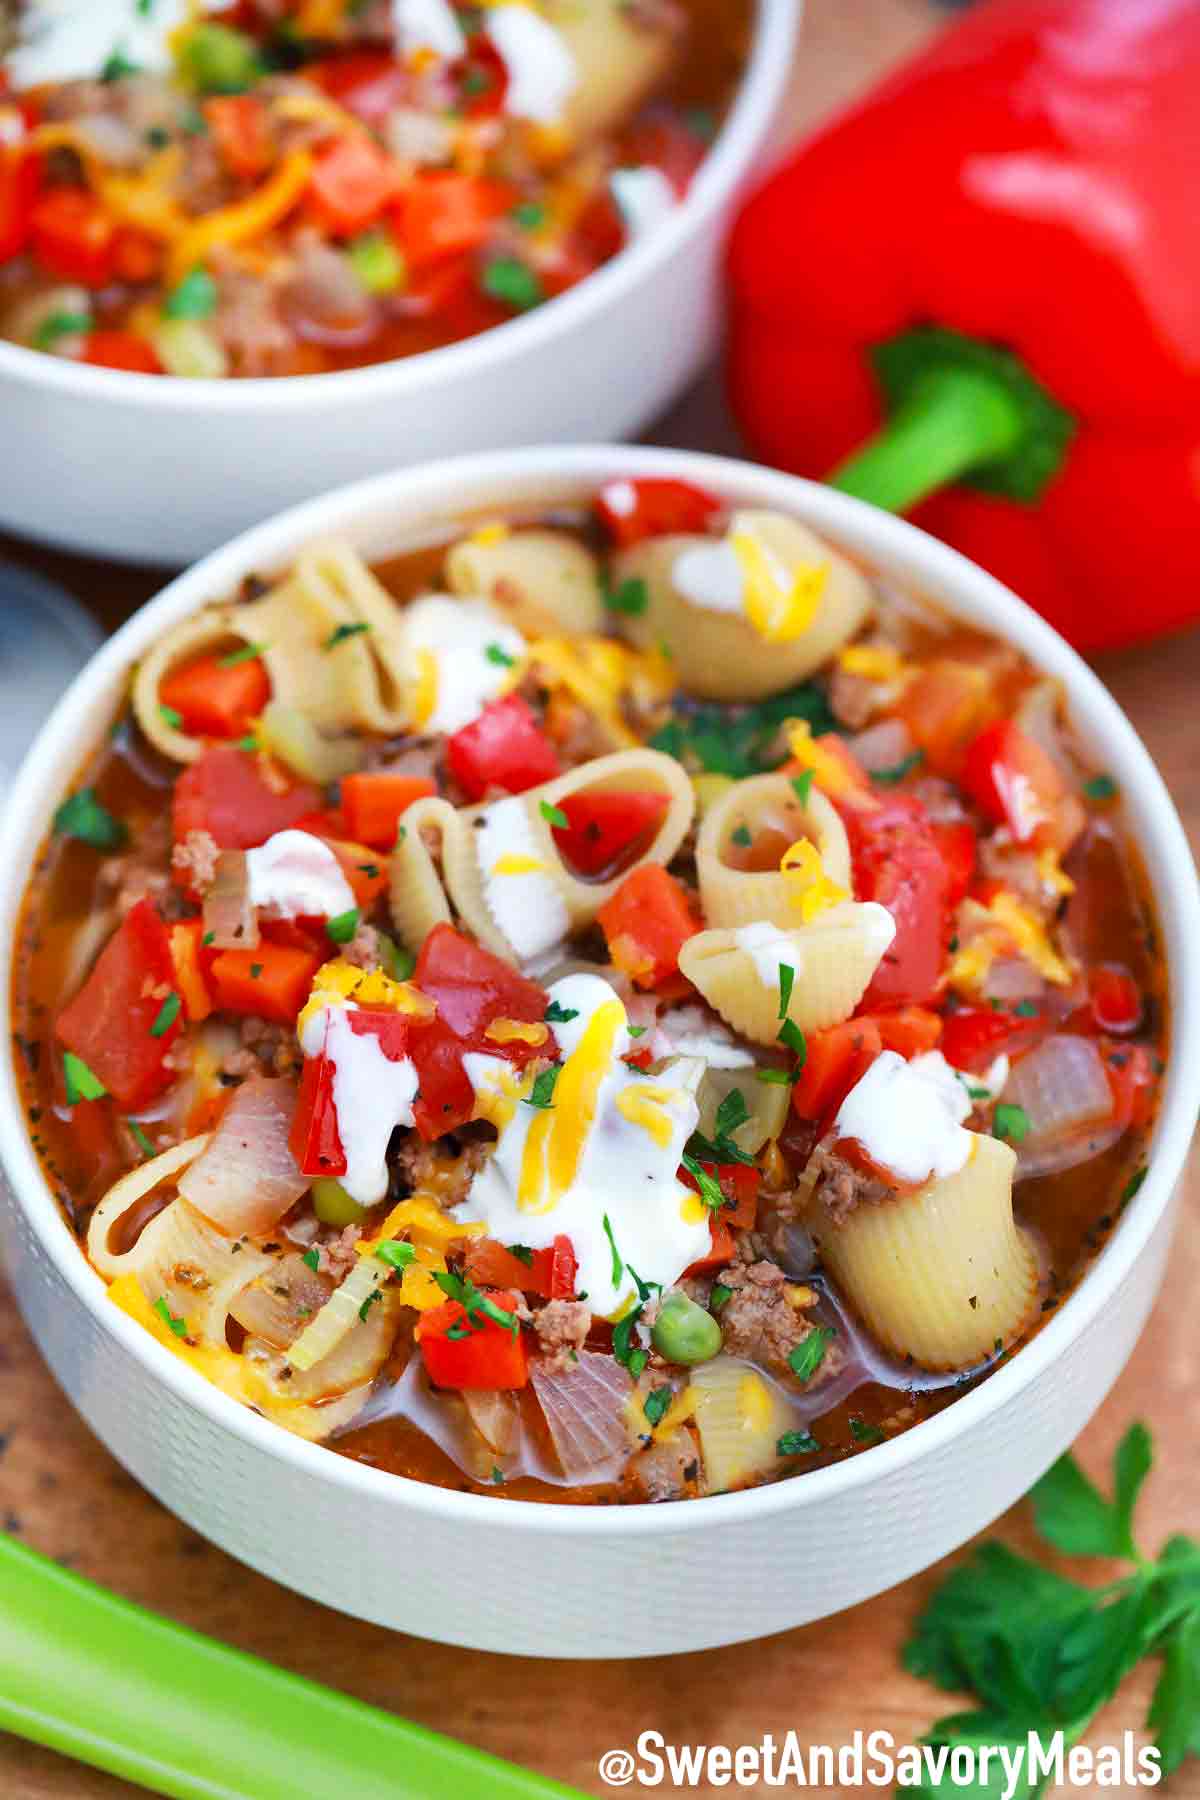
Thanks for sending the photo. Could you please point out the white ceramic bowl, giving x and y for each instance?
(144, 468)
(602, 1581)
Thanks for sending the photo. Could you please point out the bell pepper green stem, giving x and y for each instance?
(953, 421)
(101, 1680)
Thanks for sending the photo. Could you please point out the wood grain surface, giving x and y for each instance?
(65, 1495)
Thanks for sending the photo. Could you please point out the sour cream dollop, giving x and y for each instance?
(908, 1117)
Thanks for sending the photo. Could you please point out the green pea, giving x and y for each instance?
(333, 1205)
(220, 60)
(684, 1333)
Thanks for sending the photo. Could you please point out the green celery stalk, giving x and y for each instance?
(104, 1681)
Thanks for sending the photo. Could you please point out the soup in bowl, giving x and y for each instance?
(583, 990)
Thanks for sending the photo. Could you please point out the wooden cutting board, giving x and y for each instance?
(66, 1496)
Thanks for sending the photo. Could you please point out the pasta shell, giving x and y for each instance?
(940, 1275)
(618, 59)
(128, 1193)
(732, 896)
(422, 897)
(543, 582)
(718, 655)
(833, 956)
(195, 1269)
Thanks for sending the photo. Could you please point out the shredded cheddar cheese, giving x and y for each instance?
(642, 1104)
(811, 890)
(780, 604)
(874, 662)
(517, 1031)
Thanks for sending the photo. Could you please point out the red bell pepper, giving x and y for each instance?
(241, 130)
(215, 697)
(120, 350)
(271, 982)
(654, 507)
(973, 1036)
(224, 793)
(988, 271)
(373, 804)
(121, 1021)
(315, 1138)
(351, 184)
(551, 1273)
(647, 922)
(368, 83)
(1114, 998)
(445, 214)
(74, 237)
(472, 988)
(504, 747)
(603, 827)
(20, 173)
(471, 1350)
(739, 1182)
(835, 1061)
(1014, 783)
(897, 862)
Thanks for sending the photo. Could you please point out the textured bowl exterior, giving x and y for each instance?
(601, 1581)
(98, 462)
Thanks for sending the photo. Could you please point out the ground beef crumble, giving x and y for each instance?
(562, 1327)
(759, 1320)
(841, 1186)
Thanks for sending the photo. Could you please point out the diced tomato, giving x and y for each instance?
(73, 236)
(20, 174)
(225, 793)
(368, 83)
(647, 922)
(836, 1061)
(136, 256)
(364, 869)
(120, 350)
(352, 183)
(471, 987)
(1114, 998)
(271, 982)
(444, 214)
(603, 827)
(191, 960)
(241, 130)
(654, 507)
(1014, 783)
(373, 804)
(314, 1139)
(898, 863)
(910, 1030)
(551, 1272)
(217, 698)
(943, 708)
(955, 840)
(110, 1022)
(974, 1036)
(504, 747)
(721, 1249)
(482, 79)
(1133, 1073)
(462, 1351)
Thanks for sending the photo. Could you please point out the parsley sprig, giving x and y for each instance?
(721, 1147)
(477, 1306)
(1042, 1652)
(743, 740)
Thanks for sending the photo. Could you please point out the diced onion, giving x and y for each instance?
(247, 1178)
(767, 1105)
(341, 1313)
(883, 746)
(189, 348)
(495, 1417)
(585, 1410)
(230, 921)
(277, 1306)
(1063, 1090)
(291, 735)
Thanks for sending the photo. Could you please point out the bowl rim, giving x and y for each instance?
(728, 162)
(434, 491)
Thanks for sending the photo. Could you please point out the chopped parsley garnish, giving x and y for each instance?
(719, 1296)
(244, 653)
(523, 1254)
(256, 970)
(656, 1404)
(395, 1254)
(496, 653)
(635, 1031)
(553, 815)
(630, 597)
(340, 633)
(618, 1267)
(778, 1077)
(1133, 1184)
(742, 740)
(249, 742)
(82, 816)
(743, 837)
(58, 325)
(809, 1353)
(528, 215)
(803, 785)
(368, 1303)
(140, 1139)
(208, 938)
(787, 976)
(796, 1443)
(170, 717)
(560, 1015)
(312, 1259)
(721, 1147)
(862, 1433)
(1100, 787)
(732, 1112)
(1010, 1122)
(118, 66)
(633, 1357)
(513, 283)
(397, 963)
(194, 298)
(342, 927)
(1025, 1009)
(710, 1187)
(370, 870)
(899, 770)
(542, 1092)
(166, 1016)
(793, 1039)
(497, 1475)
(475, 1304)
(177, 1324)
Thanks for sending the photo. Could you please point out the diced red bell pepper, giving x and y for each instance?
(314, 1139)
(462, 1351)
(603, 827)
(353, 181)
(364, 869)
(446, 214)
(550, 1273)
(1114, 998)
(946, 703)
(836, 1061)
(955, 840)
(271, 982)
(1133, 1073)
(368, 83)
(111, 1021)
(739, 1182)
(910, 1030)
(482, 76)
(722, 1248)
(471, 987)
(898, 863)
(241, 130)
(974, 1036)
(120, 350)
(654, 507)
(74, 237)
(504, 747)
(215, 697)
(647, 922)
(373, 804)
(225, 794)
(20, 174)
(1014, 783)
